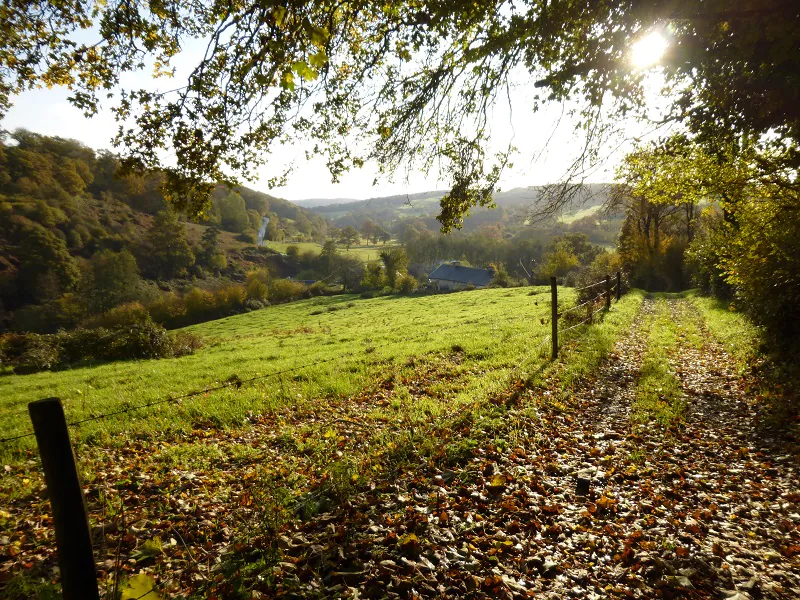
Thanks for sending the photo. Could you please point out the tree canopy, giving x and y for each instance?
(415, 79)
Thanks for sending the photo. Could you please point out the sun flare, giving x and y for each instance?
(648, 50)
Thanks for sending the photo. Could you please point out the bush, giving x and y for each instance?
(247, 237)
(31, 352)
(28, 352)
(230, 298)
(167, 308)
(146, 340)
(125, 315)
(257, 284)
(320, 288)
(63, 313)
(408, 284)
(199, 305)
(283, 290)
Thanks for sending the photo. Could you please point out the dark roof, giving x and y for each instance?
(465, 275)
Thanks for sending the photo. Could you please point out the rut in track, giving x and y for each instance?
(707, 509)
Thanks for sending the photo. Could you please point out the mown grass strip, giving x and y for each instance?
(658, 392)
(741, 339)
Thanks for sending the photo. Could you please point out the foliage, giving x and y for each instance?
(722, 67)
(559, 261)
(209, 254)
(349, 236)
(407, 284)
(283, 290)
(233, 213)
(395, 264)
(168, 252)
(40, 266)
(257, 284)
(501, 277)
(111, 279)
(125, 315)
(373, 277)
(31, 352)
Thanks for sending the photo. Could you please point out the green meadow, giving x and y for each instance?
(304, 352)
(366, 252)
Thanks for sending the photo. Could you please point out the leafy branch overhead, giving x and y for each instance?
(400, 83)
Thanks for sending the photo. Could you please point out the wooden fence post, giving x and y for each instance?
(554, 315)
(619, 285)
(608, 292)
(70, 518)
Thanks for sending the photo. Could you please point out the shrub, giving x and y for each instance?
(247, 237)
(125, 315)
(146, 340)
(257, 284)
(230, 298)
(167, 308)
(320, 288)
(199, 304)
(63, 313)
(408, 284)
(31, 352)
(283, 290)
(28, 352)
(82, 344)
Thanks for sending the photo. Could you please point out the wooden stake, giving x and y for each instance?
(70, 518)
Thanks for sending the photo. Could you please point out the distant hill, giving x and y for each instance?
(426, 204)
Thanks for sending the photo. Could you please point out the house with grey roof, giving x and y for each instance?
(453, 276)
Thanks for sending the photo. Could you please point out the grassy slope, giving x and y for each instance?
(275, 339)
(366, 252)
(434, 396)
(359, 338)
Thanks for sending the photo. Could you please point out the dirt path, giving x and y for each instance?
(704, 510)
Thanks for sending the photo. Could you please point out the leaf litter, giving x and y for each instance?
(570, 501)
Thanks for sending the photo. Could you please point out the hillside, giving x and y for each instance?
(419, 442)
(581, 214)
(67, 211)
(427, 203)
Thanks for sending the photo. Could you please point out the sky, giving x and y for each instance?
(546, 141)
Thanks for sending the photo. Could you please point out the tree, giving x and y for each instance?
(349, 236)
(233, 213)
(111, 279)
(369, 229)
(559, 261)
(42, 268)
(274, 231)
(209, 254)
(373, 277)
(395, 263)
(417, 79)
(383, 235)
(168, 251)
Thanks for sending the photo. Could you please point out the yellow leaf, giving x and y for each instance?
(140, 586)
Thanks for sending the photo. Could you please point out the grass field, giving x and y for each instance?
(392, 379)
(357, 337)
(366, 252)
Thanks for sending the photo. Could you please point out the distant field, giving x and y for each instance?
(360, 338)
(579, 214)
(366, 252)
